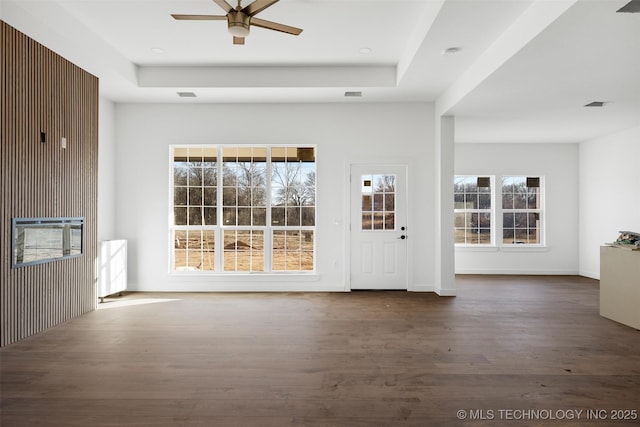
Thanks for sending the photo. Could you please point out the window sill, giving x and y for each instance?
(510, 248)
(486, 248)
(241, 277)
(524, 248)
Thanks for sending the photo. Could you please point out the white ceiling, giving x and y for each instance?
(524, 72)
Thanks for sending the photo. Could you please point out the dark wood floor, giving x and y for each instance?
(506, 351)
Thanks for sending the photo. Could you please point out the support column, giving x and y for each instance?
(445, 251)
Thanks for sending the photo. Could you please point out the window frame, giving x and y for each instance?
(497, 226)
(540, 211)
(219, 228)
(491, 211)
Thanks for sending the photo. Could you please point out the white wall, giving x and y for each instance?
(344, 134)
(609, 193)
(106, 171)
(558, 163)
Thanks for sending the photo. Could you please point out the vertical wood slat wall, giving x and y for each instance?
(43, 92)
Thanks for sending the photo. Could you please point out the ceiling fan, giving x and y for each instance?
(240, 19)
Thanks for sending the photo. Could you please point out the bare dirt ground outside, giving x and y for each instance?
(244, 251)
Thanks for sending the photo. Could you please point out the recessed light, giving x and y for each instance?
(157, 50)
(451, 50)
(365, 50)
(186, 94)
(596, 104)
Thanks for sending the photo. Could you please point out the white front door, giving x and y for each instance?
(379, 227)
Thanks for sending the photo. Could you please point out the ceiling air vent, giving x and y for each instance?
(186, 94)
(352, 94)
(632, 7)
(595, 104)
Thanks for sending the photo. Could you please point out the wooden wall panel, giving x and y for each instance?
(43, 92)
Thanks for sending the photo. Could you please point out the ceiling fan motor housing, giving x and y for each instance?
(238, 23)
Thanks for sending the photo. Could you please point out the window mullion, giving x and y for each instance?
(219, 239)
(268, 232)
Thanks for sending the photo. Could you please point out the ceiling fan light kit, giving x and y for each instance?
(238, 23)
(239, 20)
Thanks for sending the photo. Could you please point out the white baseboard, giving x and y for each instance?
(446, 292)
(422, 287)
(590, 274)
(519, 272)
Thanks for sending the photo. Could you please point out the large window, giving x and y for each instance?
(473, 212)
(521, 210)
(243, 209)
(483, 213)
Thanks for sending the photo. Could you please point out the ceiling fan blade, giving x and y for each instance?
(262, 23)
(198, 17)
(238, 40)
(224, 5)
(258, 6)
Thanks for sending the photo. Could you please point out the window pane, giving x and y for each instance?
(507, 201)
(180, 174)
(259, 216)
(484, 220)
(390, 202)
(195, 175)
(258, 196)
(180, 196)
(308, 216)
(472, 220)
(532, 201)
(522, 235)
(484, 236)
(484, 201)
(378, 221)
(195, 216)
(180, 250)
(508, 236)
(180, 216)
(508, 220)
(195, 196)
(390, 221)
(244, 196)
(293, 216)
(208, 250)
(366, 202)
(458, 201)
(209, 176)
(210, 216)
(367, 221)
(229, 196)
(210, 196)
(378, 202)
(244, 216)
(229, 216)
(277, 216)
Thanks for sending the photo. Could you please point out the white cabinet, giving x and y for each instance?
(620, 285)
(112, 276)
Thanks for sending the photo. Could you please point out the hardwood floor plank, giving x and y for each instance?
(323, 359)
